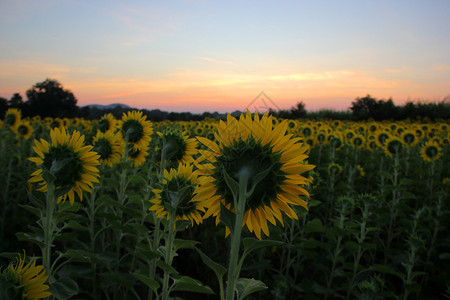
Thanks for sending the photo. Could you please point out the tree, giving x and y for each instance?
(298, 111)
(3, 106)
(16, 101)
(362, 108)
(50, 99)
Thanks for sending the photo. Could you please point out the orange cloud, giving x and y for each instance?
(440, 67)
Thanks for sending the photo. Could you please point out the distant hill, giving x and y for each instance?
(109, 106)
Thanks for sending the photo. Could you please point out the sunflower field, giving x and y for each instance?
(252, 207)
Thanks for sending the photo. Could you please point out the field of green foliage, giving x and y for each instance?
(133, 209)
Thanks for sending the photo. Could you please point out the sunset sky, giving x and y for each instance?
(220, 55)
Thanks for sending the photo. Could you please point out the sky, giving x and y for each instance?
(199, 55)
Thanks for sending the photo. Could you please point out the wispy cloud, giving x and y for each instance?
(440, 67)
(218, 61)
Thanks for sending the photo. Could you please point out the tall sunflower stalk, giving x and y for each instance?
(251, 174)
(173, 202)
(66, 168)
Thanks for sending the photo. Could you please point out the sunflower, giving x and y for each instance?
(381, 137)
(272, 160)
(430, 151)
(109, 146)
(107, 123)
(22, 281)
(409, 138)
(360, 171)
(69, 160)
(176, 193)
(56, 123)
(135, 129)
(12, 117)
(177, 147)
(23, 129)
(334, 169)
(138, 156)
(392, 146)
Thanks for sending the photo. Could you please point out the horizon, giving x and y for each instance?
(204, 56)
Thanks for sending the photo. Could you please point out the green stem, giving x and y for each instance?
(48, 227)
(233, 270)
(169, 255)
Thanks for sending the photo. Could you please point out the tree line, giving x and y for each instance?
(49, 99)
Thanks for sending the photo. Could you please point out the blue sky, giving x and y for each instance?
(219, 55)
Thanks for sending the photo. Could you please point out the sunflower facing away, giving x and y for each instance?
(177, 146)
(12, 117)
(107, 123)
(176, 192)
(136, 129)
(72, 163)
(109, 146)
(430, 151)
(273, 160)
(20, 281)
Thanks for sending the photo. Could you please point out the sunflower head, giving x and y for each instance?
(409, 138)
(393, 146)
(334, 169)
(430, 151)
(174, 197)
(271, 160)
(138, 157)
(136, 130)
(66, 163)
(20, 281)
(109, 146)
(175, 147)
(360, 171)
(107, 123)
(23, 129)
(12, 117)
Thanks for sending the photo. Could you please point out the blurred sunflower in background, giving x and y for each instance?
(430, 151)
(20, 281)
(109, 146)
(138, 157)
(409, 138)
(71, 163)
(334, 169)
(176, 193)
(272, 160)
(107, 123)
(176, 147)
(136, 130)
(23, 129)
(12, 117)
(392, 146)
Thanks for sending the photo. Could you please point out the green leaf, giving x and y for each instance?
(136, 179)
(218, 269)
(247, 286)
(150, 282)
(386, 270)
(146, 254)
(313, 203)
(31, 237)
(64, 288)
(183, 244)
(186, 283)
(251, 244)
(75, 225)
(232, 184)
(119, 278)
(227, 217)
(166, 267)
(315, 225)
(34, 210)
